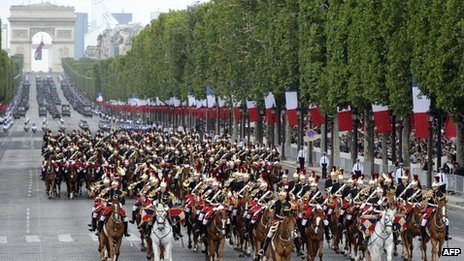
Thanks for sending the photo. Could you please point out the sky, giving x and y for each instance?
(139, 8)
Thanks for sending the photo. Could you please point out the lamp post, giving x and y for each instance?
(272, 125)
(354, 153)
(400, 139)
(282, 155)
(325, 132)
(430, 149)
(299, 129)
(393, 137)
(439, 135)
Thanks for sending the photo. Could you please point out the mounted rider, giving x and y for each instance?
(165, 197)
(114, 191)
(260, 199)
(282, 208)
(432, 205)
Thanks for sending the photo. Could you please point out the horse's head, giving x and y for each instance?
(161, 213)
(288, 228)
(115, 208)
(220, 220)
(441, 211)
(388, 217)
(316, 219)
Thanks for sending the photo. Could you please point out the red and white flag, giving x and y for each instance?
(291, 101)
(382, 118)
(345, 121)
(421, 105)
(253, 111)
(316, 115)
(450, 127)
(269, 102)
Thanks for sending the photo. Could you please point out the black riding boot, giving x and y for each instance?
(447, 237)
(126, 226)
(178, 230)
(249, 229)
(93, 225)
(395, 237)
(327, 233)
(100, 227)
(297, 244)
(423, 233)
(132, 221)
(203, 231)
(174, 229)
(264, 248)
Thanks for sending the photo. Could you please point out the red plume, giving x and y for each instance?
(437, 179)
(353, 176)
(317, 178)
(286, 171)
(304, 171)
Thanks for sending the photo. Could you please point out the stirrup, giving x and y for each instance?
(261, 252)
(132, 221)
(127, 235)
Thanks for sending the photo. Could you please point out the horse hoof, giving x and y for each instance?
(148, 257)
(189, 246)
(395, 254)
(241, 255)
(143, 249)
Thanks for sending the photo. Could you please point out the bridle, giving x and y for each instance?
(386, 222)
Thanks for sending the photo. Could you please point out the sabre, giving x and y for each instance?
(340, 189)
(314, 197)
(263, 196)
(414, 195)
(404, 191)
(197, 186)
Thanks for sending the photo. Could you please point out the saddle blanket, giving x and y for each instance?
(367, 225)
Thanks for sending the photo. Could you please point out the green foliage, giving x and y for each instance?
(355, 52)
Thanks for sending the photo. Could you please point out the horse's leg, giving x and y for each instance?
(168, 252)
(156, 252)
(221, 249)
(434, 249)
(321, 249)
(423, 248)
(189, 234)
(118, 247)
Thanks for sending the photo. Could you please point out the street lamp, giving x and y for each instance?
(400, 139)
(393, 137)
(272, 125)
(354, 153)
(299, 129)
(430, 149)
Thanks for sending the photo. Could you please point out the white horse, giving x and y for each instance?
(163, 233)
(382, 237)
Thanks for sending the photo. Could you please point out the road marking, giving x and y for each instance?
(93, 236)
(3, 240)
(65, 238)
(32, 239)
(133, 238)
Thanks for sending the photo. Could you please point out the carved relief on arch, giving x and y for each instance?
(49, 30)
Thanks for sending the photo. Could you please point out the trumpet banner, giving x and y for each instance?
(178, 215)
(367, 225)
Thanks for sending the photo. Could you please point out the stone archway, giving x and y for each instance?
(28, 20)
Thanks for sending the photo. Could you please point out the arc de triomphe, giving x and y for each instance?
(57, 21)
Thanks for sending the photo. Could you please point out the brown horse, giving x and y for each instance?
(332, 203)
(113, 230)
(282, 243)
(146, 244)
(437, 230)
(413, 229)
(49, 178)
(260, 232)
(314, 235)
(242, 241)
(353, 236)
(193, 237)
(216, 235)
(72, 182)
